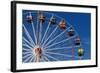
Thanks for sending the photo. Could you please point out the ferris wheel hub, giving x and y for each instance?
(37, 51)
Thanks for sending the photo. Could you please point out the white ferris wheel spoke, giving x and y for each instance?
(50, 35)
(26, 55)
(34, 31)
(65, 55)
(37, 28)
(46, 58)
(49, 56)
(28, 35)
(28, 58)
(27, 49)
(50, 49)
(28, 52)
(40, 32)
(59, 42)
(25, 40)
(57, 36)
(46, 31)
(28, 46)
(31, 59)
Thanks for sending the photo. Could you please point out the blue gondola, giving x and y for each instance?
(71, 32)
(77, 41)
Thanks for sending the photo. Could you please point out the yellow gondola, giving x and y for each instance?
(80, 52)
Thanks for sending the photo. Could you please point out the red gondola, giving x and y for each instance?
(41, 17)
(62, 24)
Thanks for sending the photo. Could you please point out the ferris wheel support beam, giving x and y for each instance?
(73, 53)
(37, 59)
(80, 58)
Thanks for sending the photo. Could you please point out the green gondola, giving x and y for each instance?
(80, 52)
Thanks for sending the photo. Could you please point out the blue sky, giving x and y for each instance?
(81, 23)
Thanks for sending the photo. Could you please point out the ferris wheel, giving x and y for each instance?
(48, 37)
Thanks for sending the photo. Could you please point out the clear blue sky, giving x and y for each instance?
(81, 23)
